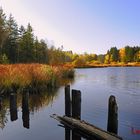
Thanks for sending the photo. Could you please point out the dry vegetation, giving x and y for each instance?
(32, 76)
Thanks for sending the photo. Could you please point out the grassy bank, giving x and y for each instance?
(32, 76)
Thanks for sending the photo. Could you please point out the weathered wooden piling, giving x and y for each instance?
(112, 125)
(13, 107)
(67, 133)
(67, 110)
(67, 101)
(76, 110)
(76, 104)
(75, 136)
(25, 110)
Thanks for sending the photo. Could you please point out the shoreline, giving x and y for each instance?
(108, 65)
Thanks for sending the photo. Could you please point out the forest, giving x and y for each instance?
(18, 44)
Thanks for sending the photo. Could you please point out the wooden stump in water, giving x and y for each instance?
(67, 110)
(67, 133)
(67, 101)
(76, 104)
(112, 115)
(76, 110)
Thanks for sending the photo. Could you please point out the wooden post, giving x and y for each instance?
(25, 110)
(67, 133)
(76, 110)
(76, 104)
(112, 115)
(67, 110)
(13, 107)
(67, 101)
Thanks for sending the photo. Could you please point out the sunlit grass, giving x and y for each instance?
(32, 76)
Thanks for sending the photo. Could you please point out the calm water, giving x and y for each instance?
(33, 121)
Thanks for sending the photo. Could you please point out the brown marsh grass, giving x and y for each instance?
(32, 76)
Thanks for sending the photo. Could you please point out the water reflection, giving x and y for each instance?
(13, 107)
(43, 99)
(75, 136)
(0, 103)
(27, 102)
(3, 118)
(71, 134)
(25, 110)
(67, 133)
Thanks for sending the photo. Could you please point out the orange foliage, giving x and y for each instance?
(24, 75)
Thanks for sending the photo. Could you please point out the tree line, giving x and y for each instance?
(18, 44)
(125, 55)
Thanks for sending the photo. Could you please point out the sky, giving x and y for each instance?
(91, 26)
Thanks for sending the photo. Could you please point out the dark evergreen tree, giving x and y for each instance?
(3, 32)
(43, 52)
(26, 45)
(114, 54)
(10, 46)
(137, 54)
(129, 54)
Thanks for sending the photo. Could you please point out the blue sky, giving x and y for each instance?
(91, 26)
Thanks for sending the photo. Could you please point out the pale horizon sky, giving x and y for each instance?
(91, 26)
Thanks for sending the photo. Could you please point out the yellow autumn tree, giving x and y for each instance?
(106, 61)
(122, 54)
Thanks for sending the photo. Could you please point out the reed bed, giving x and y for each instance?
(32, 76)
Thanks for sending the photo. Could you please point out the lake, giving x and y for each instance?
(33, 122)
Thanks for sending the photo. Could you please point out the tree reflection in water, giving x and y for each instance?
(27, 102)
(13, 107)
(3, 116)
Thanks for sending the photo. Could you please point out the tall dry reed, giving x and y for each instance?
(32, 76)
